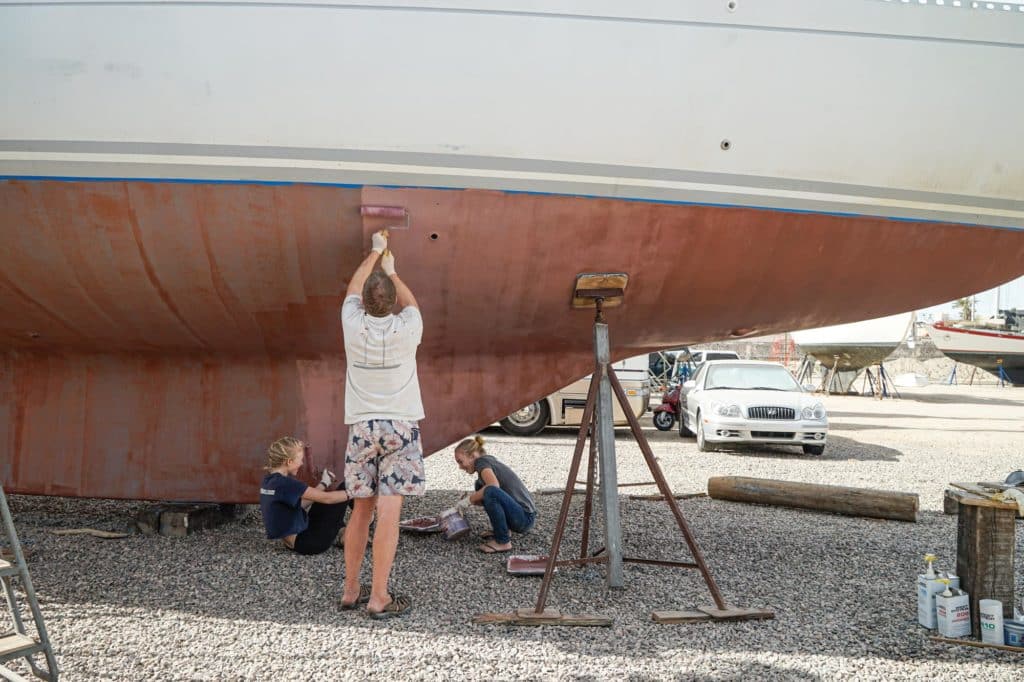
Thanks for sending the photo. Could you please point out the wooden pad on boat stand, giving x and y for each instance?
(610, 287)
(597, 291)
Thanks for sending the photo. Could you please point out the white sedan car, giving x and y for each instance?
(747, 401)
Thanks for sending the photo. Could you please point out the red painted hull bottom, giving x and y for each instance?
(156, 337)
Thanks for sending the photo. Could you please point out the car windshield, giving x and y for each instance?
(751, 377)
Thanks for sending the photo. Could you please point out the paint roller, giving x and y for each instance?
(389, 212)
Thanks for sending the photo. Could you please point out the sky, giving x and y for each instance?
(1011, 295)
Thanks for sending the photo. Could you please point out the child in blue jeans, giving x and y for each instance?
(504, 497)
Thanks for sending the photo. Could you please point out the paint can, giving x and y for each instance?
(927, 588)
(1014, 633)
(453, 524)
(953, 613)
(990, 615)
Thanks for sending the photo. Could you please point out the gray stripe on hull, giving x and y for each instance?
(503, 164)
(100, 170)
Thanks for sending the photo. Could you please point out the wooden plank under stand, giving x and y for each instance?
(711, 613)
(529, 616)
(980, 645)
(985, 548)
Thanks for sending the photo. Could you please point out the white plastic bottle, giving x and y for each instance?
(990, 616)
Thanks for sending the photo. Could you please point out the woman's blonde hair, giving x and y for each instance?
(471, 446)
(282, 451)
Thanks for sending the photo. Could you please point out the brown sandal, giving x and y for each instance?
(398, 606)
(364, 596)
(491, 547)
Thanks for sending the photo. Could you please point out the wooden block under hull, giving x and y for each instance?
(179, 520)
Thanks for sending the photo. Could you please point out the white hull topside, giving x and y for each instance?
(883, 331)
(979, 342)
(857, 106)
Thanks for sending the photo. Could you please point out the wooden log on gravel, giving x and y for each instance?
(880, 504)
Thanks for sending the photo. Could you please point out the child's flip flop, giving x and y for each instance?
(490, 548)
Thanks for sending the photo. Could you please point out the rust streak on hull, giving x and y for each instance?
(156, 337)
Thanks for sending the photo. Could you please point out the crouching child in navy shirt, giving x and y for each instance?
(307, 519)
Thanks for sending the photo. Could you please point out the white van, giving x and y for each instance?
(565, 407)
(698, 356)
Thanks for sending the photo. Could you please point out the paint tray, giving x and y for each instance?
(527, 564)
(421, 524)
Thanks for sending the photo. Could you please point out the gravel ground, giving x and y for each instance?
(226, 604)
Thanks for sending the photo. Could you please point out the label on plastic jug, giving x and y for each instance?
(953, 615)
(927, 588)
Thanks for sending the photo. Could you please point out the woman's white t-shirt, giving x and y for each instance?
(381, 381)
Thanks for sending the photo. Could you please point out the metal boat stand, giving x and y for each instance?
(880, 386)
(1004, 378)
(953, 378)
(805, 373)
(599, 291)
(828, 381)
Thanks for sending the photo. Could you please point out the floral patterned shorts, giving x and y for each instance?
(384, 457)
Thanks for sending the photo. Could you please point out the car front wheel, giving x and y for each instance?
(528, 421)
(814, 449)
(663, 420)
(702, 443)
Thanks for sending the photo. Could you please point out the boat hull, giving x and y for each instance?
(158, 335)
(852, 347)
(848, 358)
(181, 183)
(983, 349)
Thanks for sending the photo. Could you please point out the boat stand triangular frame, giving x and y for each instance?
(596, 423)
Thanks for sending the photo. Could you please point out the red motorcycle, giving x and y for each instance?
(665, 415)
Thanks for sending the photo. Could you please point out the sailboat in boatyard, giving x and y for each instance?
(846, 349)
(855, 345)
(993, 344)
(185, 187)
